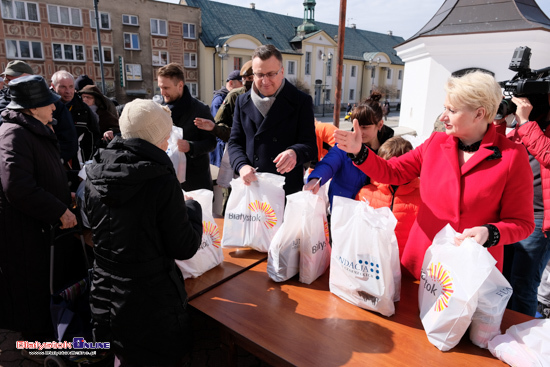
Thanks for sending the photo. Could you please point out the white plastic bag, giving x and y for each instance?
(179, 160)
(364, 267)
(450, 280)
(210, 253)
(315, 244)
(493, 297)
(254, 213)
(524, 345)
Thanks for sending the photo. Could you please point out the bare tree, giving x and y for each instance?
(300, 84)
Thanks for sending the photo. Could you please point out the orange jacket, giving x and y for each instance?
(404, 203)
(324, 132)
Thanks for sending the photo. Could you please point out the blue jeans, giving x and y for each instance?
(530, 258)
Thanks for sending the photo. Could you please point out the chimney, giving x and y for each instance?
(390, 33)
(252, 6)
(353, 26)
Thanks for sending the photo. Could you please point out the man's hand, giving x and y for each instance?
(204, 124)
(285, 161)
(313, 185)
(248, 174)
(479, 234)
(108, 135)
(349, 141)
(68, 220)
(523, 110)
(183, 145)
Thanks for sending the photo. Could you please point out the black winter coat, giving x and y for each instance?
(184, 112)
(140, 224)
(33, 195)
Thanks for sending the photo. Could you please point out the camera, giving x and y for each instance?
(533, 84)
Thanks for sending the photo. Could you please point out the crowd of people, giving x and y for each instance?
(487, 185)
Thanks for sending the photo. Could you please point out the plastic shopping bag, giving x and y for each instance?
(524, 345)
(450, 280)
(179, 160)
(210, 253)
(254, 213)
(492, 300)
(225, 173)
(364, 267)
(315, 244)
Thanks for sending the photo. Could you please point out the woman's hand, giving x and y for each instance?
(68, 220)
(479, 234)
(349, 141)
(204, 124)
(523, 110)
(312, 185)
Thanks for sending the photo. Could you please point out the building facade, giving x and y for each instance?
(137, 37)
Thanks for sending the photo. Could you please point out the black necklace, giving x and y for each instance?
(469, 148)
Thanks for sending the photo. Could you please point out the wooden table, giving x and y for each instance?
(235, 262)
(292, 323)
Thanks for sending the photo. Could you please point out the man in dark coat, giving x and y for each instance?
(34, 195)
(273, 125)
(196, 143)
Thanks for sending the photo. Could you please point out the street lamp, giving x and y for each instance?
(222, 56)
(326, 59)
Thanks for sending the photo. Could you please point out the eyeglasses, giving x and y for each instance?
(270, 75)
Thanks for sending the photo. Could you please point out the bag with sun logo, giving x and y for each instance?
(254, 213)
(450, 281)
(210, 253)
(364, 266)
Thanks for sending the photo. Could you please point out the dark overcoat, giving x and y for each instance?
(289, 124)
(34, 194)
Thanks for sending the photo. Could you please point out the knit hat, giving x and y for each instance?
(147, 120)
(82, 81)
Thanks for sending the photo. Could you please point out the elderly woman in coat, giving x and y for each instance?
(471, 177)
(34, 195)
(140, 224)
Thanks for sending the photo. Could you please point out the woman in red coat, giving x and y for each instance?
(470, 177)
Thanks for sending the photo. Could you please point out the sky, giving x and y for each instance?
(403, 17)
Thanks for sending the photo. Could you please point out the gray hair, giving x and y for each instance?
(60, 75)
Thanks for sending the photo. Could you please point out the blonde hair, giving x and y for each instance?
(394, 147)
(473, 90)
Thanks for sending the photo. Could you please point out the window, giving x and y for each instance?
(131, 41)
(291, 68)
(373, 73)
(389, 73)
(104, 20)
(130, 19)
(308, 63)
(20, 10)
(133, 72)
(237, 63)
(107, 54)
(400, 74)
(190, 60)
(64, 15)
(193, 89)
(189, 31)
(160, 58)
(16, 49)
(158, 27)
(352, 94)
(329, 67)
(68, 52)
(353, 73)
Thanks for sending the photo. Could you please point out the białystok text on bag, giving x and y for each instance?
(210, 253)
(254, 213)
(179, 160)
(450, 280)
(364, 267)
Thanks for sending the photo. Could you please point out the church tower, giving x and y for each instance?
(308, 26)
